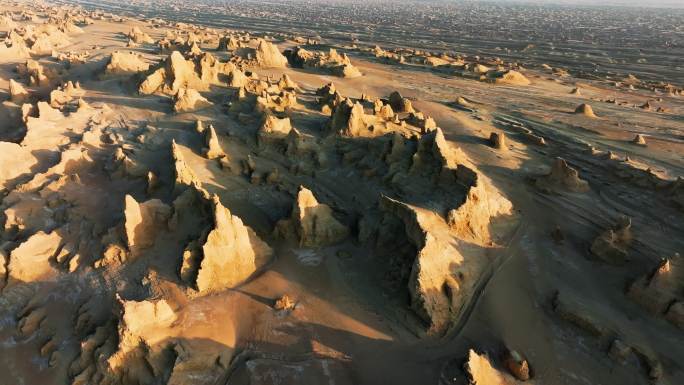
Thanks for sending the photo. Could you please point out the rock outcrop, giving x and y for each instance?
(348, 119)
(125, 63)
(18, 94)
(639, 140)
(32, 261)
(143, 221)
(213, 149)
(586, 110)
(512, 78)
(189, 100)
(137, 36)
(400, 103)
(184, 176)
(481, 372)
(312, 223)
(432, 278)
(15, 161)
(231, 253)
(273, 130)
(498, 140)
(611, 246)
(331, 62)
(65, 94)
(176, 73)
(267, 55)
(562, 178)
(661, 291)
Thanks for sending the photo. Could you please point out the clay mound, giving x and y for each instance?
(65, 94)
(7, 24)
(14, 48)
(480, 69)
(213, 149)
(639, 140)
(37, 74)
(125, 63)
(176, 73)
(48, 42)
(611, 246)
(675, 192)
(575, 91)
(463, 102)
(311, 223)
(382, 110)
(189, 100)
(434, 61)
(237, 78)
(228, 43)
(498, 140)
(232, 252)
(31, 261)
(267, 55)
(481, 372)
(346, 71)
(18, 94)
(273, 127)
(513, 78)
(661, 289)
(137, 356)
(286, 83)
(400, 103)
(562, 178)
(348, 120)
(430, 276)
(139, 37)
(585, 110)
(332, 61)
(184, 176)
(143, 221)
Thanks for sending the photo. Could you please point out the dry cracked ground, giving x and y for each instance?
(184, 204)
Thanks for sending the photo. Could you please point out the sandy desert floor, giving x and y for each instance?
(234, 202)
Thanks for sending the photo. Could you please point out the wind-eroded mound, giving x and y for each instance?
(232, 252)
(661, 291)
(586, 110)
(481, 372)
(188, 100)
(562, 178)
(611, 246)
(312, 223)
(125, 63)
(265, 55)
(15, 160)
(176, 73)
(510, 77)
(332, 62)
(143, 222)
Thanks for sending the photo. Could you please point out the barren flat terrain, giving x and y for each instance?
(346, 192)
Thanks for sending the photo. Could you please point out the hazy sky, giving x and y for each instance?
(640, 3)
